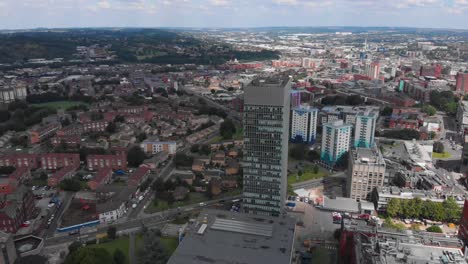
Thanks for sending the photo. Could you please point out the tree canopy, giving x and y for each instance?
(227, 129)
(153, 251)
(135, 156)
(416, 208)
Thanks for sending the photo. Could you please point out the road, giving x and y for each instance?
(132, 225)
(165, 173)
(58, 215)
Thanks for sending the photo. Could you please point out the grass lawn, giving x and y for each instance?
(307, 174)
(444, 155)
(216, 139)
(170, 243)
(61, 104)
(121, 243)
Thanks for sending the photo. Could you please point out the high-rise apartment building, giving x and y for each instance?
(372, 70)
(366, 171)
(265, 162)
(336, 138)
(304, 124)
(462, 82)
(364, 130)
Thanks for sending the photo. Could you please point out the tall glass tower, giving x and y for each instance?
(265, 162)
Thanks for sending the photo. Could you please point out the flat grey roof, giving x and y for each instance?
(235, 238)
(341, 204)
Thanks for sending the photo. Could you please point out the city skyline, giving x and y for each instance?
(227, 14)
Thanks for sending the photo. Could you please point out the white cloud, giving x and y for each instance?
(104, 5)
(219, 2)
(285, 2)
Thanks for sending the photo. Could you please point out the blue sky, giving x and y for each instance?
(16, 14)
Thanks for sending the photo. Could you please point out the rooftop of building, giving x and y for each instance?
(341, 204)
(338, 124)
(367, 156)
(407, 248)
(28, 243)
(228, 237)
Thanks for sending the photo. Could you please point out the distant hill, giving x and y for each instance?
(129, 44)
(57, 43)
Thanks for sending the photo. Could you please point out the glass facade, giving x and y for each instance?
(263, 147)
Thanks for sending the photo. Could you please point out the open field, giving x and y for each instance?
(61, 104)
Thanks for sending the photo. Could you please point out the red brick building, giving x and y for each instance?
(68, 140)
(114, 162)
(95, 126)
(71, 130)
(139, 176)
(19, 160)
(10, 183)
(60, 175)
(42, 133)
(462, 82)
(53, 161)
(103, 176)
(403, 123)
(15, 209)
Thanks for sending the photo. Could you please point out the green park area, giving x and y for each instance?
(308, 173)
(123, 243)
(120, 243)
(61, 104)
(443, 155)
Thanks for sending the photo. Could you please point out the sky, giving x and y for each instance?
(25, 14)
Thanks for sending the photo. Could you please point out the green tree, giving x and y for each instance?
(135, 156)
(74, 246)
(438, 213)
(315, 169)
(205, 149)
(452, 210)
(111, 127)
(87, 255)
(227, 129)
(153, 251)
(429, 109)
(393, 207)
(387, 111)
(119, 257)
(434, 229)
(141, 136)
(183, 160)
(451, 108)
(298, 151)
(313, 155)
(438, 147)
(112, 232)
(72, 185)
(194, 148)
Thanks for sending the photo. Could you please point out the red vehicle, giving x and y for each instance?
(26, 224)
(364, 216)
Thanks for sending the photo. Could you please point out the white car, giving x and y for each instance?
(134, 206)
